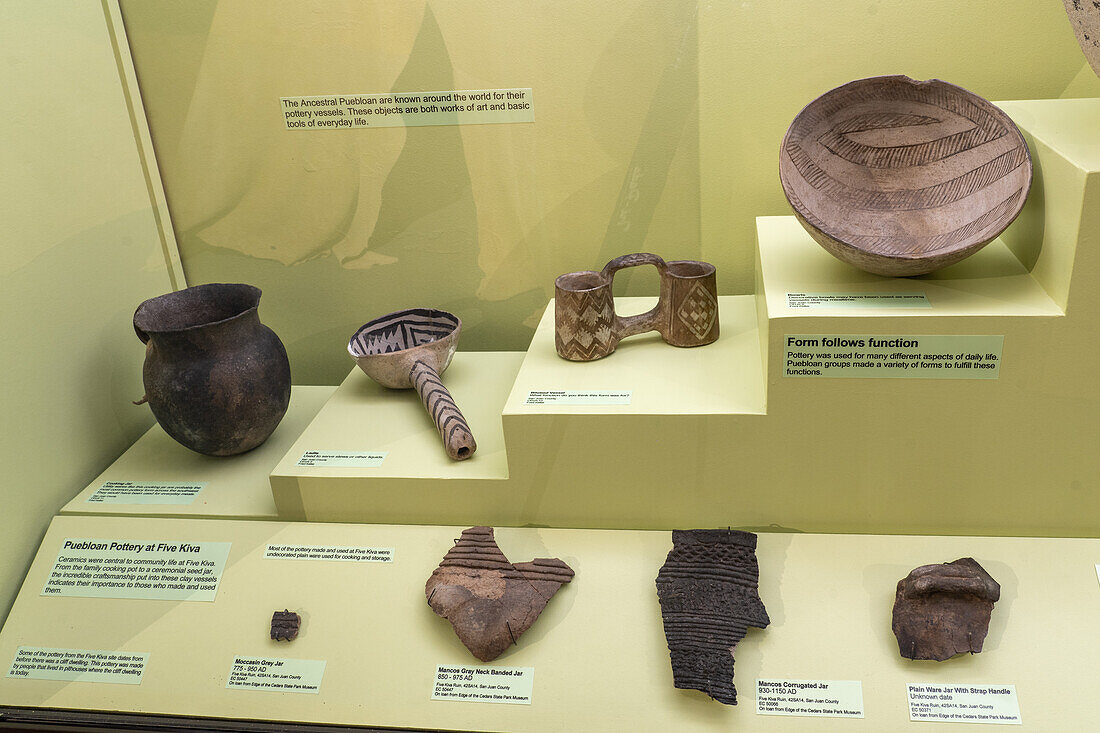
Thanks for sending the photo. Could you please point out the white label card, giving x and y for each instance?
(166, 569)
(329, 552)
(275, 675)
(886, 356)
(512, 685)
(822, 301)
(145, 492)
(993, 704)
(342, 459)
(408, 109)
(810, 698)
(78, 665)
(577, 397)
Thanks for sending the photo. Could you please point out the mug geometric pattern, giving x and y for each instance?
(584, 331)
(698, 311)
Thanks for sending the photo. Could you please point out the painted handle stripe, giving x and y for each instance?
(441, 406)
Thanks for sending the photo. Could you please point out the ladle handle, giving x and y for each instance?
(457, 438)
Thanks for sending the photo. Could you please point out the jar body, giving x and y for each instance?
(219, 388)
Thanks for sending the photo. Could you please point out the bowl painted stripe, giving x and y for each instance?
(939, 194)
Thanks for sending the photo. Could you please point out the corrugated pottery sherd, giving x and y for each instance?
(285, 625)
(708, 593)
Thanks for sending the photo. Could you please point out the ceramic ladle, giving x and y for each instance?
(411, 348)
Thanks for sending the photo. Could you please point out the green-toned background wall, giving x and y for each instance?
(657, 126)
(80, 247)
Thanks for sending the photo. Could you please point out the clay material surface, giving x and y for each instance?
(285, 625)
(901, 177)
(708, 593)
(944, 610)
(586, 326)
(216, 379)
(1084, 15)
(411, 348)
(489, 601)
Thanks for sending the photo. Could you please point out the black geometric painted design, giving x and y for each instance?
(404, 330)
(439, 403)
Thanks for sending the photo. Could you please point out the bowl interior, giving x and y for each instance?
(690, 268)
(905, 168)
(402, 330)
(579, 281)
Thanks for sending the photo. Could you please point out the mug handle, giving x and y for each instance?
(643, 322)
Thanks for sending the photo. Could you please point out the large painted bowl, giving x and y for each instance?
(1084, 15)
(901, 177)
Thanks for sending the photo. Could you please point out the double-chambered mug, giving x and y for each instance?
(587, 327)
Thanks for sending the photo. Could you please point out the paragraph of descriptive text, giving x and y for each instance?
(877, 356)
(80, 665)
(145, 492)
(162, 570)
(329, 552)
(408, 109)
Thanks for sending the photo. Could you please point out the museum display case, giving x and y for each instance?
(877, 491)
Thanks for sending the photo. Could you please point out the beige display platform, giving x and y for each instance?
(236, 486)
(722, 378)
(837, 455)
(1003, 456)
(598, 650)
(723, 434)
(1006, 456)
(543, 477)
(416, 482)
(1056, 236)
(645, 464)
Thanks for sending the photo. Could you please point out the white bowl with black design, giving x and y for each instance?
(901, 177)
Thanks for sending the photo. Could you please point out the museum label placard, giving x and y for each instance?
(578, 397)
(509, 685)
(959, 703)
(892, 356)
(169, 569)
(145, 492)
